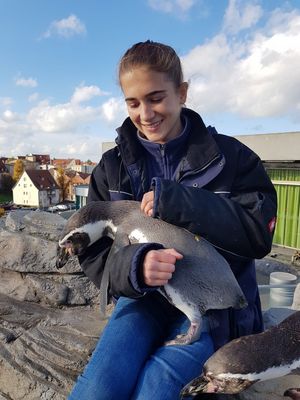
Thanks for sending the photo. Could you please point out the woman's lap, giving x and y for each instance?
(130, 360)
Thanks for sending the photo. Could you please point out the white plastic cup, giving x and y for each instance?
(282, 297)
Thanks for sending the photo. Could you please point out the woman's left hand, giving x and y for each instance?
(148, 203)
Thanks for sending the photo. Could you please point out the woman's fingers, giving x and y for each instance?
(159, 266)
(148, 203)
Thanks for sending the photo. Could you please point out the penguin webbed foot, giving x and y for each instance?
(189, 337)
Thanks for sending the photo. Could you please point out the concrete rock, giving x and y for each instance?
(39, 223)
(22, 252)
(43, 349)
(49, 318)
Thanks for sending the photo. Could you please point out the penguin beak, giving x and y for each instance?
(63, 254)
(198, 385)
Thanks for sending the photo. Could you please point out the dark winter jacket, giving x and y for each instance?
(219, 191)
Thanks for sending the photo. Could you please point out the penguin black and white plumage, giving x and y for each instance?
(249, 359)
(202, 280)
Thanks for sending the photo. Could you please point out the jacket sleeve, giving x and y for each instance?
(241, 223)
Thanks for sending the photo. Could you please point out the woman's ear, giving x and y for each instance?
(183, 88)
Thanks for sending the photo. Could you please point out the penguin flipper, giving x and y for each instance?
(121, 240)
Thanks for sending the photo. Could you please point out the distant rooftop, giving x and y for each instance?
(274, 146)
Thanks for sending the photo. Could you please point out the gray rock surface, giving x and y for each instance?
(49, 318)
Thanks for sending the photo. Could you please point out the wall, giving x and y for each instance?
(287, 185)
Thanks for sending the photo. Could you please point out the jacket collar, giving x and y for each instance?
(202, 147)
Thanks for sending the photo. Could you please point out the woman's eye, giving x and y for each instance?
(156, 100)
(132, 105)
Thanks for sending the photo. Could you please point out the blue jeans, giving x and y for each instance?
(130, 360)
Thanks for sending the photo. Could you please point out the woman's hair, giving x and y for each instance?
(156, 56)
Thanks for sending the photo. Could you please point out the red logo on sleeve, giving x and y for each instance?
(272, 224)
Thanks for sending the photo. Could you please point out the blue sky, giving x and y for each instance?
(58, 71)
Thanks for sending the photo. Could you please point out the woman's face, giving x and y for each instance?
(153, 103)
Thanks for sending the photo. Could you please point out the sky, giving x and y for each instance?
(59, 91)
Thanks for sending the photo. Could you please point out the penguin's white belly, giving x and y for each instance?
(188, 308)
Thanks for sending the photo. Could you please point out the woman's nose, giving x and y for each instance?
(147, 112)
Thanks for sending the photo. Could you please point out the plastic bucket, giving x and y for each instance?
(282, 296)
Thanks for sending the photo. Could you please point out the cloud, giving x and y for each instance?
(14, 127)
(66, 28)
(114, 110)
(172, 6)
(70, 116)
(26, 82)
(60, 117)
(257, 77)
(240, 15)
(6, 101)
(33, 97)
(73, 116)
(86, 93)
(10, 116)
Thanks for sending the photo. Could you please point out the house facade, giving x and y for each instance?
(36, 188)
(75, 179)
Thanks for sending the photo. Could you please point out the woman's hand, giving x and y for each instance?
(159, 266)
(147, 203)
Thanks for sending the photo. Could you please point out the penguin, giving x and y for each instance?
(249, 359)
(293, 393)
(202, 280)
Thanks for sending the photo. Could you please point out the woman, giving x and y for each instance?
(189, 176)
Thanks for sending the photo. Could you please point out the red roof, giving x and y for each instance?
(42, 179)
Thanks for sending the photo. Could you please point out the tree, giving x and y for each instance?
(7, 183)
(18, 170)
(62, 181)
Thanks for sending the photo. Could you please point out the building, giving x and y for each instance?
(61, 162)
(81, 167)
(81, 193)
(41, 159)
(75, 179)
(36, 188)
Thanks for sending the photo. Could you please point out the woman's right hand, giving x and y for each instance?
(159, 266)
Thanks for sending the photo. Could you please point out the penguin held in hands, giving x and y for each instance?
(203, 280)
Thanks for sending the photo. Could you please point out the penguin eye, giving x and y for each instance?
(68, 244)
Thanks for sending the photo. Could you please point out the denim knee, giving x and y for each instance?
(92, 389)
